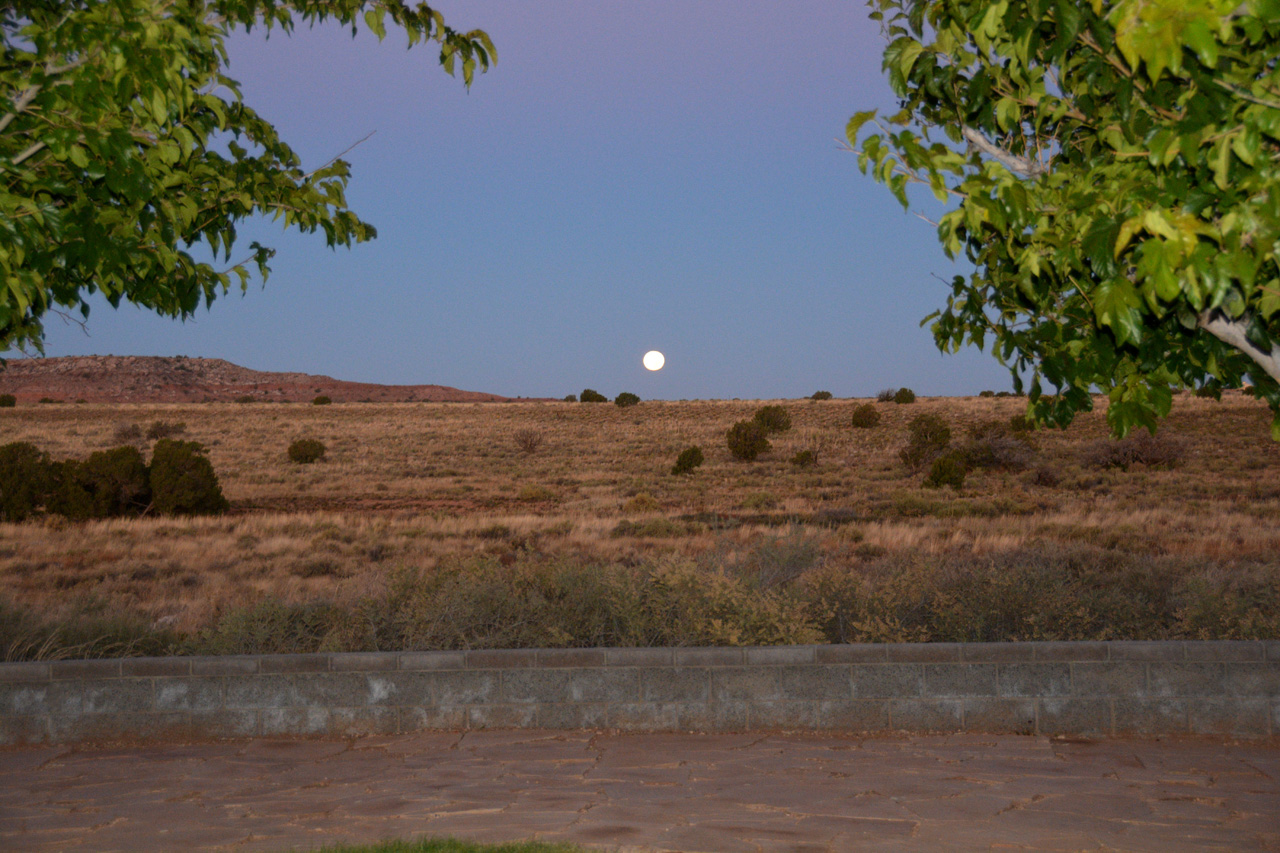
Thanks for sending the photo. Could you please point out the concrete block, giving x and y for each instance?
(779, 655)
(24, 671)
(887, 680)
(1035, 679)
(188, 694)
(364, 662)
(960, 679)
(571, 685)
(501, 658)
(1225, 650)
(502, 716)
(758, 684)
(18, 699)
(997, 652)
(852, 653)
(111, 726)
(571, 657)
(572, 716)
(229, 665)
(788, 714)
(1016, 716)
(1184, 679)
(155, 666)
(1150, 716)
(923, 652)
(644, 716)
(464, 687)
(1272, 649)
(80, 669)
(330, 689)
(1252, 679)
(831, 682)
(856, 715)
(337, 722)
(1108, 679)
(392, 688)
(223, 723)
(708, 657)
(677, 684)
(1235, 717)
(432, 660)
(535, 685)
(926, 715)
(293, 663)
(17, 731)
(1146, 650)
(1066, 652)
(444, 717)
(119, 696)
(726, 716)
(639, 657)
(1074, 715)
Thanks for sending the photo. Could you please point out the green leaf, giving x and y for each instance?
(1115, 305)
(855, 124)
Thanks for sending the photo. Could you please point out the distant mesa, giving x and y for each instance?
(178, 379)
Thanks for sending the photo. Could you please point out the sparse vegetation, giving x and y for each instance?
(625, 400)
(886, 395)
(322, 400)
(930, 436)
(689, 458)
(305, 451)
(805, 459)
(865, 416)
(527, 440)
(165, 429)
(747, 440)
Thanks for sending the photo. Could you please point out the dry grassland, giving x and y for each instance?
(407, 485)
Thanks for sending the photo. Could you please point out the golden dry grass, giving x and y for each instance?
(405, 485)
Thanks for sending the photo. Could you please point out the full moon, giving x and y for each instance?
(653, 360)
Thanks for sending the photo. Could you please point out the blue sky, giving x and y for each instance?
(630, 176)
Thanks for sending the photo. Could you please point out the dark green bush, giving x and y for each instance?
(246, 398)
(930, 435)
(865, 416)
(805, 459)
(747, 440)
(109, 484)
(165, 429)
(773, 418)
(48, 400)
(590, 396)
(987, 394)
(322, 400)
(571, 398)
(949, 469)
(8, 401)
(821, 395)
(183, 481)
(25, 480)
(625, 399)
(126, 433)
(689, 458)
(304, 451)
(904, 395)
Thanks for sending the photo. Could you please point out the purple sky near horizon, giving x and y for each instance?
(629, 176)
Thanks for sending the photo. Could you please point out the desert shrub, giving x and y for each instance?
(904, 395)
(625, 399)
(590, 396)
(1046, 476)
(1019, 424)
(821, 395)
(183, 481)
(747, 440)
(886, 395)
(986, 393)
(109, 484)
(322, 400)
(126, 433)
(25, 480)
(949, 469)
(532, 492)
(304, 451)
(689, 458)
(650, 528)
(777, 561)
(805, 459)
(571, 398)
(1141, 448)
(773, 418)
(246, 398)
(1212, 390)
(85, 628)
(930, 435)
(165, 429)
(865, 416)
(527, 440)
(642, 502)
(8, 401)
(760, 500)
(48, 400)
(273, 627)
(993, 445)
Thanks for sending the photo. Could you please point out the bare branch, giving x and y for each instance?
(338, 156)
(1232, 333)
(1012, 162)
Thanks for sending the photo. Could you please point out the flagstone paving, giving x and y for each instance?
(688, 792)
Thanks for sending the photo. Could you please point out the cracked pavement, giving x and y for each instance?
(687, 792)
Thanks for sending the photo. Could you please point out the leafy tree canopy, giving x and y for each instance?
(1115, 168)
(123, 146)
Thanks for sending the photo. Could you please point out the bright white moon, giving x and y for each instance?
(653, 360)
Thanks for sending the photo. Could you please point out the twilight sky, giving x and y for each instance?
(630, 176)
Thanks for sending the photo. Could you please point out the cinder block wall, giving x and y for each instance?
(1087, 689)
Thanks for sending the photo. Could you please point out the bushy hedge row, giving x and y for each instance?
(110, 483)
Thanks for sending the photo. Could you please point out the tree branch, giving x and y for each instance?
(1232, 333)
(1012, 162)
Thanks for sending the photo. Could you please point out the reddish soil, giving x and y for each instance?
(155, 379)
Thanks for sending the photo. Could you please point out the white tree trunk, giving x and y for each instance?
(1232, 333)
